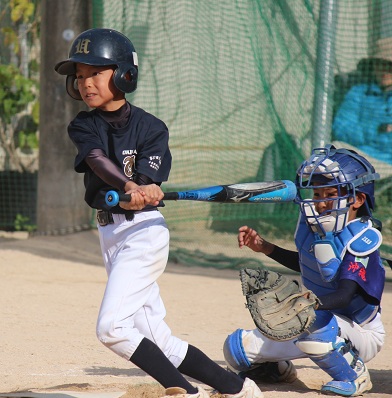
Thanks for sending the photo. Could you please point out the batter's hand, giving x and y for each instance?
(141, 196)
(153, 194)
(137, 201)
(249, 237)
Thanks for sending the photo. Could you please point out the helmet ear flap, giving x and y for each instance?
(125, 78)
(72, 89)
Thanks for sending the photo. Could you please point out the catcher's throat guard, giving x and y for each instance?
(279, 306)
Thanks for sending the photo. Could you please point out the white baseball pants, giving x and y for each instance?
(368, 340)
(135, 254)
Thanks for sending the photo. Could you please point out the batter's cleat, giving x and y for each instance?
(271, 372)
(249, 390)
(179, 392)
(354, 388)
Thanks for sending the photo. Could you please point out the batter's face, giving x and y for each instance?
(95, 84)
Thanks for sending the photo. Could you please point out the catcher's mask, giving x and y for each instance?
(343, 169)
(101, 47)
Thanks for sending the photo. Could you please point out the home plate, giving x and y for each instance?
(63, 394)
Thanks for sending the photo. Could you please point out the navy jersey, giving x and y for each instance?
(368, 272)
(141, 146)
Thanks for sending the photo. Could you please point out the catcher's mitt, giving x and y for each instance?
(279, 306)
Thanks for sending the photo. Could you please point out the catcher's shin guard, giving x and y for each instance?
(336, 357)
(350, 388)
(265, 372)
(234, 352)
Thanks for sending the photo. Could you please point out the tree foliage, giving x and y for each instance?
(19, 80)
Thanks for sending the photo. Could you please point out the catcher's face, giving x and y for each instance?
(325, 198)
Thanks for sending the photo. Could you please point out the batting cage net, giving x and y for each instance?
(247, 88)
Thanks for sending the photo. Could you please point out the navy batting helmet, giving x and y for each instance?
(102, 47)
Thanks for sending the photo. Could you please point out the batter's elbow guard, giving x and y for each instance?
(234, 353)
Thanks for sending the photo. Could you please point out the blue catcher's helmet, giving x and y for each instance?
(101, 47)
(344, 169)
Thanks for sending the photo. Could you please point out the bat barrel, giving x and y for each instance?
(288, 193)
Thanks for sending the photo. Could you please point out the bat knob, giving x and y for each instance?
(112, 198)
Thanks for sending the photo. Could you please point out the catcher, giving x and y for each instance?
(336, 319)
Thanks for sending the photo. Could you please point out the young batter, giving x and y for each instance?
(338, 259)
(120, 146)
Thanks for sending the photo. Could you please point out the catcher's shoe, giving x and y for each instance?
(271, 372)
(354, 388)
(179, 392)
(249, 390)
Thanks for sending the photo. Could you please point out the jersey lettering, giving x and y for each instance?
(155, 162)
(129, 152)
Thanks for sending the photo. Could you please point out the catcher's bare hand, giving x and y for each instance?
(249, 237)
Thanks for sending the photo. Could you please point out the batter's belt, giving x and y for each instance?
(106, 217)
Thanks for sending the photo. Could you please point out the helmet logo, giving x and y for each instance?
(82, 46)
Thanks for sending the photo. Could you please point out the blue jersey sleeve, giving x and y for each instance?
(367, 272)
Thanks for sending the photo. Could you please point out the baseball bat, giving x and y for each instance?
(251, 192)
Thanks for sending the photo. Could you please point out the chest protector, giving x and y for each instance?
(321, 257)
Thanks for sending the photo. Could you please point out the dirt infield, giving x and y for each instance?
(50, 292)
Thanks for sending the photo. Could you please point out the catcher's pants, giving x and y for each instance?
(135, 254)
(367, 339)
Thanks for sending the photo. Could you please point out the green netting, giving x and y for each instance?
(247, 88)
(17, 211)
